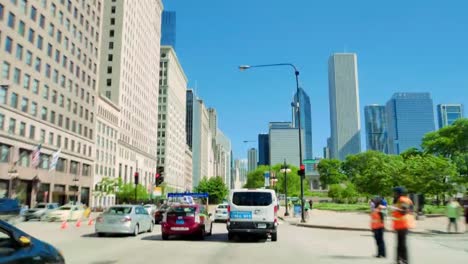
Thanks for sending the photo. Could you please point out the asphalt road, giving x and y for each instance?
(294, 245)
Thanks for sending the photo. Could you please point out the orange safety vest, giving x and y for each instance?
(400, 220)
(376, 221)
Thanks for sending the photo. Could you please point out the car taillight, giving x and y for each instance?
(127, 219)
(100, 219)
(276, 210)
(229, 208)
(229, 213)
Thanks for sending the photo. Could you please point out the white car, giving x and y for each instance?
(68, 212)
(221, 213)
(253, 212)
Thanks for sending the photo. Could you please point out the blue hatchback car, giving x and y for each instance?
(18, 247)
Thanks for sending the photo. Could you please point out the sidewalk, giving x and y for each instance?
(355, 221)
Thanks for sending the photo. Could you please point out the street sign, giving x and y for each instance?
(267, 178)
(157, 191)
(310, 161)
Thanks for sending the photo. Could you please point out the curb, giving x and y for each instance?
(343, 228)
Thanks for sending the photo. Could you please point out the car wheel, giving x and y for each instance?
(274, 236)
(151, 227)
(26, 219)
(165, 236)
(99, 234)
(136, 231)
(230, 236)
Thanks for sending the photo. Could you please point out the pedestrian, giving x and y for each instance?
(453, 213)
(306, 210)
(378, 228)
(384, 205)
(372, 205)
(401, 222)
(311, 203)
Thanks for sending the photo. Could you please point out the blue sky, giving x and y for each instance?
(402, 46)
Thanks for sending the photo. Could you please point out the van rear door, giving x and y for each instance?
(252, 206)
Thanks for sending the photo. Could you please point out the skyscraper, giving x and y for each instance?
(171, 122)
(344, 105)
(168, 28)
(376, 128)
(189, 117)
(201, 142)
(448, 113)
(306, 126)
(252, 159)
(263, 149)
(125, 54)
(409, 117)
(48, 96)
(284, 143)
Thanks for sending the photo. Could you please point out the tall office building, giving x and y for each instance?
(129, 77)
(252, 159)
(284, 143)
(240, 173)
(49, 56)
(376, 128)
(409, 116)
(306, 126)
(189, 117)
(448, 113)
(223, 157)
(344, 105)
(168, 28)
(171, 122)
(201, 142)
(263, 149)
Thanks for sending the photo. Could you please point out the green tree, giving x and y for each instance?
(215, 187)
(343, 192)
(373, 172)
(256, 178)
(330, 172)
(126, 193)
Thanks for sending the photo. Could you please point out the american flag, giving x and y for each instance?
(36, 156)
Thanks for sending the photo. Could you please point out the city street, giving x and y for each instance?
(295, 244)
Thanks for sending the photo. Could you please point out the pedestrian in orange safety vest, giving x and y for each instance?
(378, 228)
(401, 222)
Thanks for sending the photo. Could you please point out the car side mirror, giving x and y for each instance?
(24, 241)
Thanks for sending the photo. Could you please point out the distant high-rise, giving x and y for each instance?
(448, 113)
(284, 143)
(263, 149)
(409, 117)
(376, 128)
(189, 117)
(306, 125)
(252, 159)
(344, 105)
(168, 29)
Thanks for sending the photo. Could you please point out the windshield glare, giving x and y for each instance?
(119, 210)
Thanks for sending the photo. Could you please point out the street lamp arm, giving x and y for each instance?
(246, 67)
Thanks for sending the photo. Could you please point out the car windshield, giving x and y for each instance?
(252, 198)
(222, 206)
(39, 206)
(181, 211)
(119, 210)
(65, 208)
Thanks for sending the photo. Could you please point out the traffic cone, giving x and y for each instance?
(90, 221)
(78, 223)
(64, 225)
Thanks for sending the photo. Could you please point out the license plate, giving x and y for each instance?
(262, 226)
(179, 222)
(241, 215)
(179, 228)
(113, 221)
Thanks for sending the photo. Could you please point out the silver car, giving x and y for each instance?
(124, 219)
(39, 211)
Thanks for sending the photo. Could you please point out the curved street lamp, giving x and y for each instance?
(297, 106)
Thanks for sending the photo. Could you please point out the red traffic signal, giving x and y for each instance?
(302, 167)
(301, 171)
(136, 177)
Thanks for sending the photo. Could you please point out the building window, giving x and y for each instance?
(112, 21)
(31, 35)
(24, 105)
(42, 21)
(52, 117)
(32, 132)
(19, 52)
(24, 155)
(12, 126)
(11, 20)
(3, 94)
(17, 76)
(42, 136)
(33, 108)
(35, 86)
(8, 44)
(111, 45)
(33, 14)
(6, 70)
(109, 82)
(45, 92)
(22, 130)
(4, 153)
(44, 163)
(29, 58)
(44, 113)
(21, 27)
(111, 33)
(39, 42)
(14, 100)
(51, 138)
(110, 57)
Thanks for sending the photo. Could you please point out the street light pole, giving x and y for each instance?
(285, 168)
(297, 106)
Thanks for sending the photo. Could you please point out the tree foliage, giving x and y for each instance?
(126, 193)
(343, 193)
(215, 187)
(330, 172)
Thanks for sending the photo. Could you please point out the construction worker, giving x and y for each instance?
(378, 228)
(402, 222)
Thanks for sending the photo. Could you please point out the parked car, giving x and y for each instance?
(252, 212)
(186, 220)
(151, 209)
(221, 213)
(68, 212)
(124, 219)
(10, 210)
(158, 215)
(18, 247)
(39, 211)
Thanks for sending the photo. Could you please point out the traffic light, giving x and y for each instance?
(137, 176)
(159, 176)
(301, 171)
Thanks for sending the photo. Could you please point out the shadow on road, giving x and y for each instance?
(94, 235)
(350, 257)
(218, 237)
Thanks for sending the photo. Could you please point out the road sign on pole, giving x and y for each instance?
(310, 161)
(267, 178)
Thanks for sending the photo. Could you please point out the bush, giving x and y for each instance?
(343, 193)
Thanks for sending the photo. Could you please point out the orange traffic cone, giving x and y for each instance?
(64, 225)
(90, 221)
(78, 223)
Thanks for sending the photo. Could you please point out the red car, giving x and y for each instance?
(186, 220)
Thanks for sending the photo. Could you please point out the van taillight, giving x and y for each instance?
(229, 208)
(276, 209)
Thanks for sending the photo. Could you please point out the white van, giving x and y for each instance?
(254, 212)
